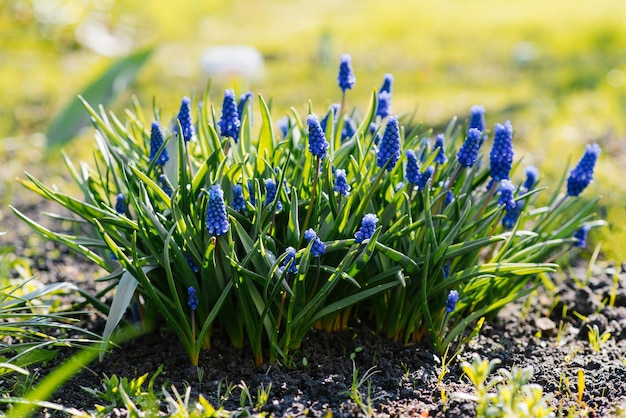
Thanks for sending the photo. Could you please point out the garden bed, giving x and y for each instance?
(404, 380)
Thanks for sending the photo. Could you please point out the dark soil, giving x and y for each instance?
(549, 333)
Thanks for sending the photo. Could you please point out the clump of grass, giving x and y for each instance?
(267, 233)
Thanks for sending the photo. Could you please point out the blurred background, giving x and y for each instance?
(556, 69)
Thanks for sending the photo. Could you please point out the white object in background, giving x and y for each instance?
(233, 60)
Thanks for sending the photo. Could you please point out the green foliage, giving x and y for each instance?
(508, 394)
(162, 246)
(128, 394)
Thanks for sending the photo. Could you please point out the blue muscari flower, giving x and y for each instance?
(317, 139)
(341, 183)
(229, 123)
(216, 218)
(291, 256)
(412, 167)
(446, 270)
(384, 104)
(425, 176)
(373, 127)
(184, 118)
(424, 146)
(120, 204)
(477, 118)
(349, 129)
(156, 141)
(511, 215)
(387, 81)
(506, 191)
(165, 185)
(581, 236)
(346, 77)
(532, 174)
(270, 193)
(440, 149)
(193, 267)
(468, 154)
(501, 156)
(239, 203)
(582, 174)
(318, 248)
(368, 225)
(333, 110)
(389, 149)
(453, 298)
(449, 198)
(283, 125)
(244, 100)
(192, 298)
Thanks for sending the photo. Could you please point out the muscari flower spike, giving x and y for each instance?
(156, 142)
(468, 154)
(193, 267)
(501, 155)
(387, 82)
(165, 185)
(251, 192)
(270, 194)
(341, 183)
(318, 248)
(532, 174)
(346, 77)
(511, 215)
(581, 175)
(192, 298)
(333, 110)
(581, 236)
(349, 129)
(425, 176)
(477, 118)
(216, 218)
(283, 125)
(384, 104)
(368, 226)
(446, 270)
(244, 100)
(506, 191)
(184, 118)
(229, 123)
(239, 203)
(412, 174)
(453, 298)
(290, 255)
(317, 139)
(389, 149)
(440, 149)
(120, 204)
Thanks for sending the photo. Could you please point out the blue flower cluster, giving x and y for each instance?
(349, 129)
(368, 226)
(384, 104)
(120, 204)
(581, 236)
(156, 142)
(440, 149)
(582, 174)
(387, 82)
(412, 167)
(505, 192)
(184, 118)
(229, 123)
(501, 156)
(532, 174)
(477, 118)
(346, 77)
(317, 139)
(216, 218)
(389, 149)
(453, 298)
(239, 203)
(318, 248)
(468, 154)
(290, 257)
(425, 176)
(192, 298)
(270, 194)
(165, 185)
(333, 110)
(341, 183)
(244, 100)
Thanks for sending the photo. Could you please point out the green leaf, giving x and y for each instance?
(104, 89)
